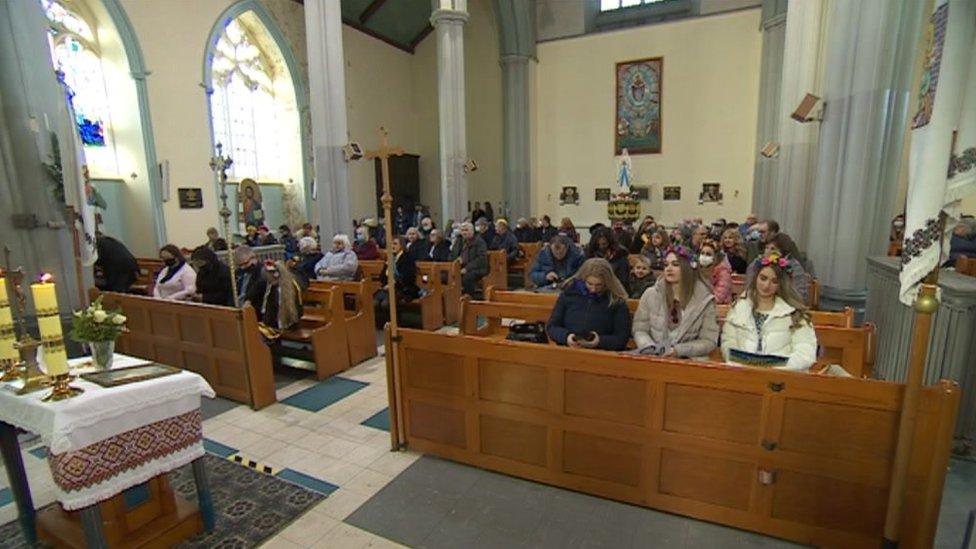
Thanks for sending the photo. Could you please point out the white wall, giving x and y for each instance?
(709, 107)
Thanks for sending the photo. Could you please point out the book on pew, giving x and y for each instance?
(757, 359)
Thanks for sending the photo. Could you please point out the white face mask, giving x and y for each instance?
(706, 260)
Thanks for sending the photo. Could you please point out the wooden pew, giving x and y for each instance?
(146, 278)
(801, 457)
(813, 297)
(966, 265)
(360, 318)
(497, 276)
(371, 270)
(323, 329)
(547, 299)
(431, 306)
(222, 344)
(449, 273)
(842, 319)
(524, 263)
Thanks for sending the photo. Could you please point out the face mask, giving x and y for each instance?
(899, 224)
(426, 226)
(360, 238)
(706, 260)
(754, 235)
(170, 262)
(455, 233)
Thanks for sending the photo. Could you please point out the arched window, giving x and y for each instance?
(75, 55)
(253, 102)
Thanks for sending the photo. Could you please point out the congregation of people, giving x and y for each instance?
(678, 274)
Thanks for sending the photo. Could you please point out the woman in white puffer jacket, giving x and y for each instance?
(770, 318)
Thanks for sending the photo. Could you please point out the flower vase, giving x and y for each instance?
(102, 353)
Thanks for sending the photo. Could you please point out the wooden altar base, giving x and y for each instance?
(160, 520)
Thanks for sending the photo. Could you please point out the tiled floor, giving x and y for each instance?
(333, 437)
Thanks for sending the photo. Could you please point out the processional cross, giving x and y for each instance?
(384, 153)
(219, 164)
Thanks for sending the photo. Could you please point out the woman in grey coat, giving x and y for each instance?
(676, 317)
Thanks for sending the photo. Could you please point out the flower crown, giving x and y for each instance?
(685, 252)
(775, 259)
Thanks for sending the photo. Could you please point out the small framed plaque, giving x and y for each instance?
(190, 198)
(672, 193)
(643, 193)
(603, 194)
(134, 374)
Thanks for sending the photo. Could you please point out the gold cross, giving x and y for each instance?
(385, 151)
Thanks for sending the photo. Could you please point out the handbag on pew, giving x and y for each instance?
(529, 332)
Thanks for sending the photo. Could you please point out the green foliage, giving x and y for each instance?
(97, 324)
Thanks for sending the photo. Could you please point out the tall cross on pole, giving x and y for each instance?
(219, 164)
(384, 153)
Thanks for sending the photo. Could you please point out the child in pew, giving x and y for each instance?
(676, 316)
(591, 311)
(770, 318)
(640, 276)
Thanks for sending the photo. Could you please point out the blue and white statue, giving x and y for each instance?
(625, 172)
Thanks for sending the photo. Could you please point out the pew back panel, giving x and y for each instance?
(360, 318)
(497, 276)
(449, 273)
(751, 448)
(324, 329)
(222, 344)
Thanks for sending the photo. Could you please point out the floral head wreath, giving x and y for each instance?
(270, 265)
(684, 252)
(775, 259)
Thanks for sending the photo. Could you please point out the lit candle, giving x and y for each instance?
(7, 350)
(49, 324)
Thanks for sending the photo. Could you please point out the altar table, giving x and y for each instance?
(105, 441)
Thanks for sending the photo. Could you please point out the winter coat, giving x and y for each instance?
(776, 337)
(506, 242)
(546, 263)
(213, 284)
(721, 280)
(577, 313)
(697, 332)
(438, 252)
(618, 260)
(180, 287)
(546, 234)
(526, 234)
(473, 255)
(338, 265)
(636, 286)
(737, 262)
(366, 250)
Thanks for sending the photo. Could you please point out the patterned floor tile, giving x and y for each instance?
(307, 481)
(218, 449)
(324, 394)
(379, 420)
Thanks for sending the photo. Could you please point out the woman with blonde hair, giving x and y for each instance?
(771, 319)
(735, 250)
(591, 311)
(676, 316)
(281, 307)
(339, 263)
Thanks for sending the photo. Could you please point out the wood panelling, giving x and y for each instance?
(617, 399)
(829, 503)
(602, 458)
(525, 442)
(707, 479)
(857, 433)
(437, 424)
(712, 413)
(679, 436)
(513, 383)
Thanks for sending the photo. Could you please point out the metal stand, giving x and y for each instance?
(219, 164)
(17, 475)
(204, 499)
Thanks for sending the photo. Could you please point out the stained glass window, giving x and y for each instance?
(75, 55)
(243, 106)
(610, 5)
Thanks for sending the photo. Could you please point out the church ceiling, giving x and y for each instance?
(400, 23)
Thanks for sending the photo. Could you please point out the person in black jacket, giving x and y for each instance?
(603, 244)
(438, 249)
(115, 264)
(591, 311)
(546, 231)
(213, 277)
(251, 282)
(404, 276)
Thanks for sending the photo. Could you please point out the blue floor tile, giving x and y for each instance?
(324, 394)
(380, 420)
(5, 496)
(40, 452)
(306, 481)
(218, 449)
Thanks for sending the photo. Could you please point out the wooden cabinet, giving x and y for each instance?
(404, 182)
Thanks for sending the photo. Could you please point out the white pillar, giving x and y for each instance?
(515, 135)
(448, 19)
(327, 102)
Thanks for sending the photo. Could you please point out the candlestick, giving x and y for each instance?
(49, 325)
(8, 354)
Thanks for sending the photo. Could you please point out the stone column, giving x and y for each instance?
(327, 87)
(448, 19)
(515, 134)
(770, 82)
(872, 50)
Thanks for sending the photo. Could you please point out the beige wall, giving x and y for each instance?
(709, 107)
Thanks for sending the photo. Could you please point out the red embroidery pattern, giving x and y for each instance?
(103, 460)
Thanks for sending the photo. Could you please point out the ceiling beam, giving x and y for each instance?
(420, 37)
(371, 9)
(366, 30)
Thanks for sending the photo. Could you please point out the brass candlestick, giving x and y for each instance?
(219, 164)
(28, 370)
(9, 370)
(61, 389)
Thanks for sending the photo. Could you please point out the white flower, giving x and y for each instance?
(99, 316)
(78, 314)
(119, 319)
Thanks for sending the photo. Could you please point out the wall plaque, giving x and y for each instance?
(190, 198)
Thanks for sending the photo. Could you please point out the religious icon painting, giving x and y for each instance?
(711, 192)
(569, 196)
(638, 116)
(251, 212)
(672, 193)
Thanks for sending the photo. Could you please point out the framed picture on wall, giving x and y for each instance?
(672, 193)
(643, 193)
(569, 196)
(637, 124)
(603, 194)
(711, 192)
